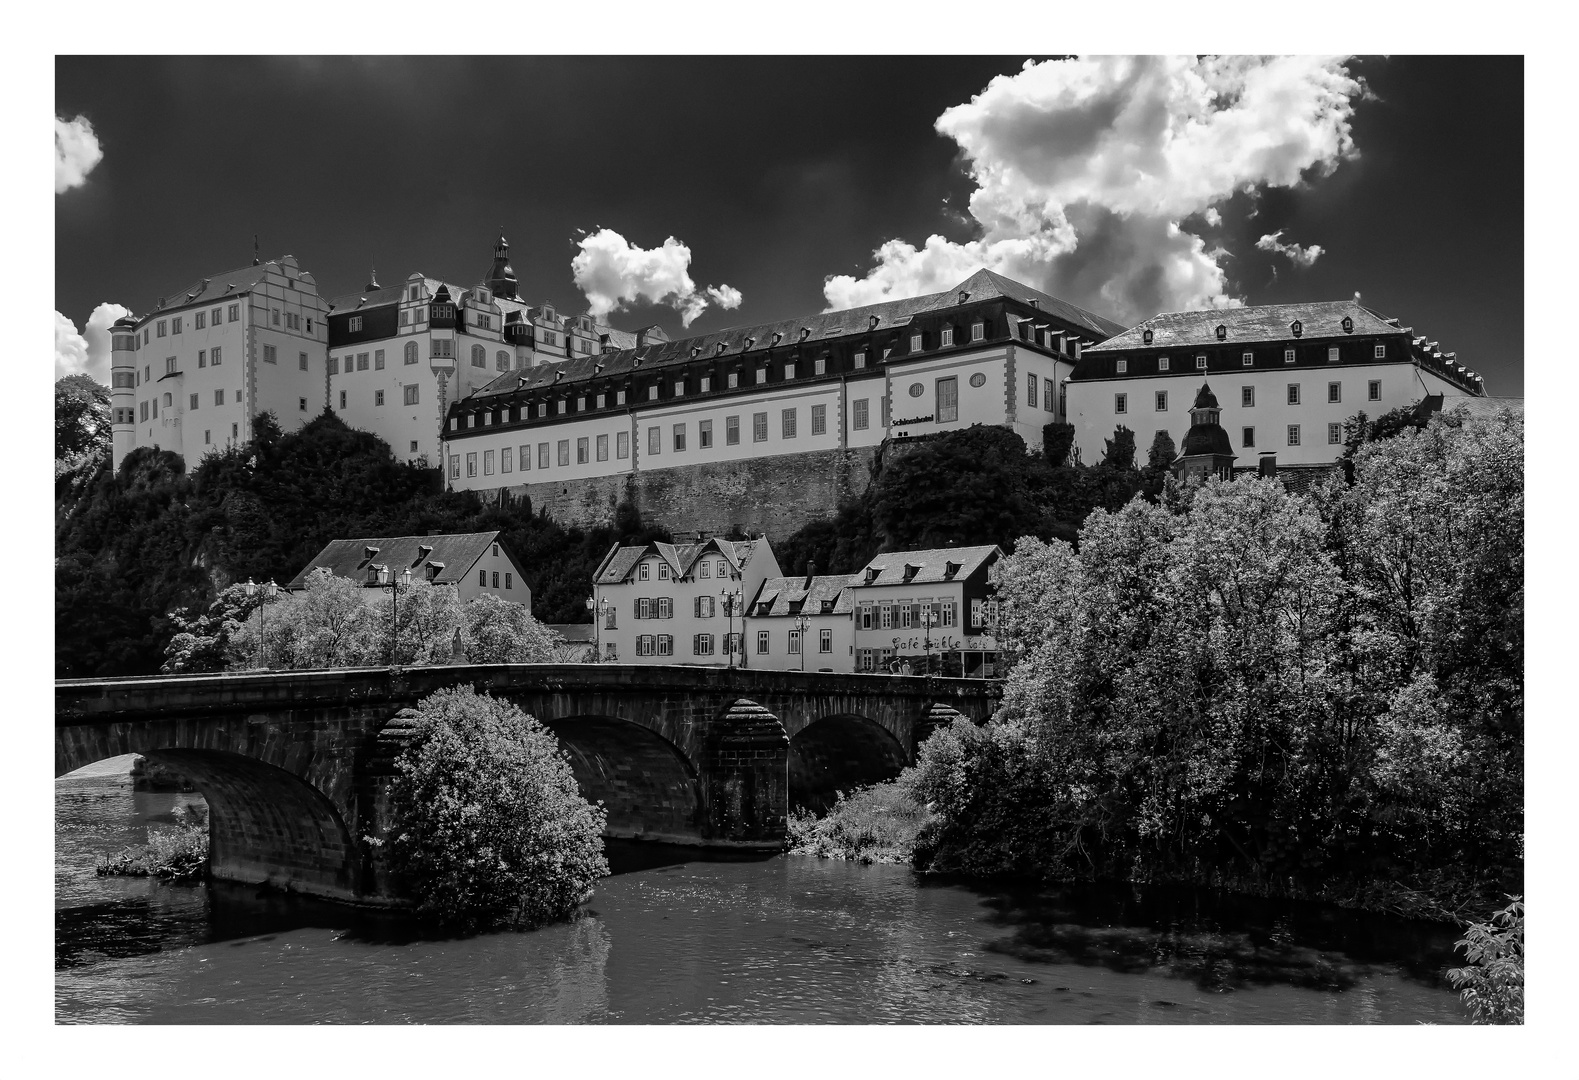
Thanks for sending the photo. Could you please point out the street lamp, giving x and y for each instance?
(802, 624)
(386, 576)
(732, 600)
(599, 607)
(267, 589)
(929, 619)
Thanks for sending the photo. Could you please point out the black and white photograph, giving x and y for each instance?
(584, 534)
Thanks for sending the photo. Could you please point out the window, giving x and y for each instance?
(524, 456)
(1332, 354)
(506, 458)
(378, 359)
(915, 342)
(1293, 393)
(582, 450)
(759, 427)
(947, 337)
(169, 365)
(202, 358)
(215, 315)
(762, 375)
(501, 361)
(1247, 437)
(704, 607)
(175, 323)
(1121, 367)
(794, 642)
(1162, 363)
(1293, 434)
(679, 388)
(1162, 401)
(819, 419)
(361, 361)
(487, 462)
(269, 354)
(1030, 391)
(654, 440)
(665, 645)
(411, 352)
(206, 434)
(334, 365)
(563, 452)
(1373, 390)
(762, 642)
(1380, 352)
(704, 433)
(276, 319)
(825, 641)
(622, 441)
(644, 645)
(233, 313)
(619, 397)
(731, 431)
(442, 348)
(509, 581)
(863, 414)
(1334, 434)
(663, 571)
(652, 392)
(410, 394)
(603, 447)
(123, 379)
(610, 652)
(342, 399)
(818, 367)
(301, 361)
(787, 423)
(197, 321)
(482, 578)
(378, 397)
(542, 408)
(219, 397)
(142, 410)
(732, 380)
(1248, 359)
(1334, 392)
(950, 616)
(702, 645)
(609, 619)
(356, 324)
(471, 464)
(1120, 403)
(860, 359)
(789, 371)
(679, 438)
(191, 401)
(1200, 363)
(704, 569)
(885, 616)
(948, 400)
(479, 356)
(665, 603)
(642, 573)
(977, 331)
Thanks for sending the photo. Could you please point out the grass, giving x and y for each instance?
(175, 854)
(873, 824)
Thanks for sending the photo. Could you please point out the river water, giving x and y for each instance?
(677, 936)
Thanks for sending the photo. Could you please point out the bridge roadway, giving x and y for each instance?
(296, 765)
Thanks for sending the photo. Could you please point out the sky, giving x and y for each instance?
(704, 192)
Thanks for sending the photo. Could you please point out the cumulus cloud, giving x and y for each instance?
(614, 273)
(88, 352)
(1299, 256)
(77, 151)
(1084, 169)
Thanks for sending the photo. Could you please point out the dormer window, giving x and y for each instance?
(1200, 363)
(950, 569)
(947, 337)
(1288, 356)
(1247, 359)
(860, 359)
(1348, 324)
(977, 331)
(915, 342)
(1121, 366)
(1146, 337)
(872, 573)
(1380, 352)
(1222, 332)
(1162, 363)
(911, 570)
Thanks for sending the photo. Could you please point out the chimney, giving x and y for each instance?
(811, 572)
(1268, 465)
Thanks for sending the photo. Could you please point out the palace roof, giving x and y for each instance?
(930, 566)
(448, 557)
(1268, 322)
(204, 291)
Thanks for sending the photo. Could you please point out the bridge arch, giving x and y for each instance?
(649, 786)
(837, 753)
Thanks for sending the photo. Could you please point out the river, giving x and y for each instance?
(679, 936)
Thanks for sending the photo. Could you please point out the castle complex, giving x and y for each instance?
(572, 413)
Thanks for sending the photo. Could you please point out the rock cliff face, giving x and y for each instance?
(774, 495)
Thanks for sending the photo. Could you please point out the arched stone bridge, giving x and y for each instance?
(295, 765)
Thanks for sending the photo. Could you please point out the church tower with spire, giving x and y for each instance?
(1207, 450)
(501, 278)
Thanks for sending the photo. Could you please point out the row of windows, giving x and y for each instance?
(1247, 396)
(1247, 436)
(885, 615)
(663, 645)
(1248, 359)
(192, 399)
(482, 577)
(200, 319)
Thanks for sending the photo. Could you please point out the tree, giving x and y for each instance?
(1119, 451)
(489, 827)
(1492, 983)
(82, 416)
(1161, 456)
(202, 643)
(966, 487)
(329, 624)
(498, 631)
(1057, 439)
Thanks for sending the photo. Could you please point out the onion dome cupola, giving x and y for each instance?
(1207, 450)
(501, 278)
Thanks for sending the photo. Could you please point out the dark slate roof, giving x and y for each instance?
(1268, 322)
(783, 593)
(1205, 399)
(1206, 439)
(982, 285)
(208, 290)
(348, 558)
(367, 298)
(619, 563)
(932, 565)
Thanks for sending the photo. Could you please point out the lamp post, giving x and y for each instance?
(599, 607)
(731, 603)
(386, 576)
(267, 589)
(929, 619)
(802, 624)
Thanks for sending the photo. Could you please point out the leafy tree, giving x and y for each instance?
(202, 643)
(1057, 440)
(1492, 983)
(490, 828)
(82, 416)
(1161, 456)
(970, 487)
(328, 624)
(1119, 451)
(498, 631)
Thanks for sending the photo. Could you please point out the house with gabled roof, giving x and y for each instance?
(930, 610)
(471, 563)
(803, 623)
(662, 603)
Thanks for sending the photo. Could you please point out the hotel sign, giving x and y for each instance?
(911, 420)
(945, 643)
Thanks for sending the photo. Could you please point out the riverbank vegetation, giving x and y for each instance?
(1491, 983)
(489, 827)
(174, 853)
(144, 552)
(874, 824)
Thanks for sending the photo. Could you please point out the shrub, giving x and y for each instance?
(175, 854)
(873, 824)
(1492, 985)
(489, 826)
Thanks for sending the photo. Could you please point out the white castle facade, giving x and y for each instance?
(499, 393)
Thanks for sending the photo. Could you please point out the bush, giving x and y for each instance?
(873, 824)
(489, 826)
(1492, 986)
(175, 854)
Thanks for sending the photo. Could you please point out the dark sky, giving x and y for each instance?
(776, 171)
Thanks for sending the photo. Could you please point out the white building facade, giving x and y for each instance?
(802, 624)
(931, 610)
